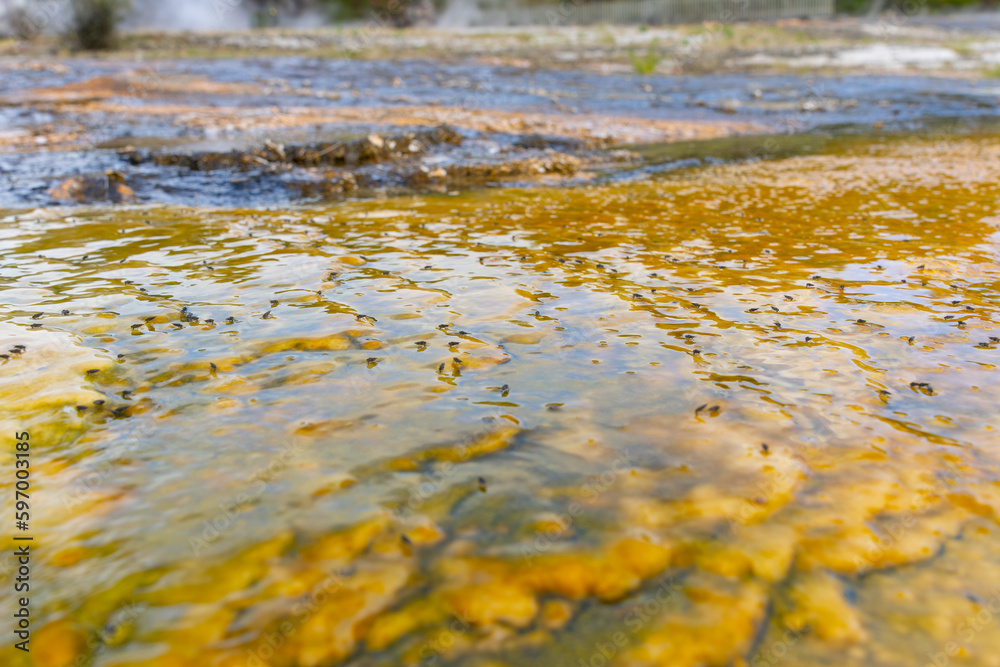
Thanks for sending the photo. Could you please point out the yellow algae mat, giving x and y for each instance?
(738, 415)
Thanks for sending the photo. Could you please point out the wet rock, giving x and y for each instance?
(538, 141)
(371, 149)
(565, 165)
(107, 187)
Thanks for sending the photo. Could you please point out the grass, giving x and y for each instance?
(647, 63)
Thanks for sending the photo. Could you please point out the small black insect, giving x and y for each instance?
(37, 316)
(764, 447)
(753, 310)
(266, 316)
(482, 484)
(911, 339)
(775, 309)
(92, 371)
(99, 402)
(788, 298)
(441, 368)
(230, 320)
(65, 312)
(274, 303)
(212, 365)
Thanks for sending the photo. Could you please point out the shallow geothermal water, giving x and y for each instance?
(735, 415)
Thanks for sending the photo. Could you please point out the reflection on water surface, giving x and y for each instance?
(737, 415)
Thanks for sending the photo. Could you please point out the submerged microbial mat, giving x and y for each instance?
(741, 414)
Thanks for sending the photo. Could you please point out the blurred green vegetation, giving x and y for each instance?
(94, 23)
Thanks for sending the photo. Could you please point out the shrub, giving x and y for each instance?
(94, 24)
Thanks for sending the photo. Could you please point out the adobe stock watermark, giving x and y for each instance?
(898, 15)
(383, 18)
(781, 483)
(589, 492)
(775, 652)
(966, 631)
(87, 487)
(148, 79)
(260, 654)
(562, 12)
(29, 21)
(894, 531)
(224, 8)
(638, 617)
(257, 483)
